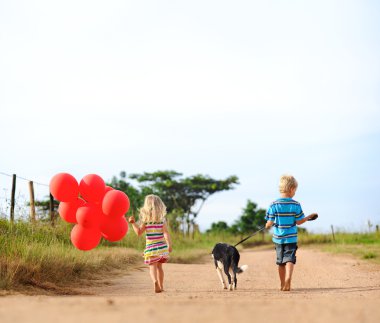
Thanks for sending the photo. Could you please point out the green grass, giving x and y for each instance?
(361, 245)
(185, 249)
(340, 238)
(41, 256)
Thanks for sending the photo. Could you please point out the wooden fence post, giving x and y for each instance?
(12, 215)
(32, 206)
(51, 210)
(377, 228)
(332, 230)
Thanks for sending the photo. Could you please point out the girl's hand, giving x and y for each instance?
(170, 248)
(131, 219)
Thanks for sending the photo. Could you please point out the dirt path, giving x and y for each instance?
(326, 288)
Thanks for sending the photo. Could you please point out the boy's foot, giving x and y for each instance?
(157, 288)
(286, 286)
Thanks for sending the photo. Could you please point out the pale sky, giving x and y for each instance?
(248, 88)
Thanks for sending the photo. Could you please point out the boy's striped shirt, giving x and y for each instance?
(284, 212)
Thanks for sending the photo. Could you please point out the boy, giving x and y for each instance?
(285, 214)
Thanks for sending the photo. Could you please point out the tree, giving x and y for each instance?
(135, 196)
(186, 195)
(220, 226)
(252, 219)
(200, 188)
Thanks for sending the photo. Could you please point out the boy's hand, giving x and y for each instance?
(131, 219)
(312, 217)
(269, 224)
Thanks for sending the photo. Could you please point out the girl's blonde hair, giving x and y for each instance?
(153, 210)
(287, 183)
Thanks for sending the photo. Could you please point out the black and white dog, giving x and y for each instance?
(226, 257)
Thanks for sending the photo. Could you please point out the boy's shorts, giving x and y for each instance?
(286, 253)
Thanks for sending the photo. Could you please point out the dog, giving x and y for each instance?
(226, 257)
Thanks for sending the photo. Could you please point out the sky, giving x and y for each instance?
(248, 88)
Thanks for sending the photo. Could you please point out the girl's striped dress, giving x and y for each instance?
(156, 249)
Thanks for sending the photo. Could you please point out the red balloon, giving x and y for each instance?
(108, 188)
(85, 238)
(114, 229)
(115, 204)
(68, 210)
(64, 187)
(92, 188)
(89, 216)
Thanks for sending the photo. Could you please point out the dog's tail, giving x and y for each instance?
(241, 269)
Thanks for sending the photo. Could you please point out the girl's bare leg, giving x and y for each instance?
(288, 276)
(160, 275)
(153, 275)
(281, 273)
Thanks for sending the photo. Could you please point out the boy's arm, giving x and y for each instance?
(167, 237)
(306, 218)
(269, 224)
(270, 217)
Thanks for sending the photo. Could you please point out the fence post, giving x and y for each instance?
(332, 230)
(32, 205)
(377, 228)
(12, 215)
(51, 210)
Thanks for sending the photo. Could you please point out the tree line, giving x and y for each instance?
(184, 198)
(251, 220)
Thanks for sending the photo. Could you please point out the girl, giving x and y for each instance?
(158, 242)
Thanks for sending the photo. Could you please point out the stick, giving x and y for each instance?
(13, 198)
(32, 206)
(332, 230)
(51, 209)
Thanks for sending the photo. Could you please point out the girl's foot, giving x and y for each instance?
(157, 288)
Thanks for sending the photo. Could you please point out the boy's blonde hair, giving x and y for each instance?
(287, 183)
(154, 210)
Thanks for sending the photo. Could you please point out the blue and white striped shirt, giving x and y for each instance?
(284, 212)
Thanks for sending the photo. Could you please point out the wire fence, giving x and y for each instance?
(25, 199)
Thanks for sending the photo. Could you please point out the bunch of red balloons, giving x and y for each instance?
(96, 209)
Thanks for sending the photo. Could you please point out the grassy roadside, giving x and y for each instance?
(41, 257)
(364, 246)
(38, 256)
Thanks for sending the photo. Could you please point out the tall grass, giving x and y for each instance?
(340, 238)
(41, 256)
(361, 245)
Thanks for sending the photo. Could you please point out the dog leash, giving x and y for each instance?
(250, 236)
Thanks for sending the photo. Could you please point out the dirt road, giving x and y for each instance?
(326, 288)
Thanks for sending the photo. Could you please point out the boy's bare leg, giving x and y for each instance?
(153, 275)
(281, 273)
(288, 275)
(160, 275)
